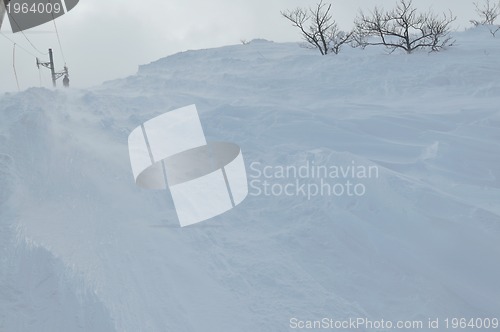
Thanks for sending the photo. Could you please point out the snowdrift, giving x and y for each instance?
(84, 249)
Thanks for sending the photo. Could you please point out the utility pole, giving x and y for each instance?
(52, 69)
(50, 65)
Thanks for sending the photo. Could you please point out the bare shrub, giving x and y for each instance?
(318, 28)
(488, 13)
(404, 28)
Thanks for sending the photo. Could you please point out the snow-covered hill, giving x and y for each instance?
(84, 249)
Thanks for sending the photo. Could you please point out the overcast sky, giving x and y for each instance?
(105, 40)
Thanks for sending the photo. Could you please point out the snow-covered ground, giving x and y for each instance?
(84, 249)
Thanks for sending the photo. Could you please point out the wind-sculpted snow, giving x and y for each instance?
(420, 242)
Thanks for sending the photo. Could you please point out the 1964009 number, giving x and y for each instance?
(35, 8)
(473, 323)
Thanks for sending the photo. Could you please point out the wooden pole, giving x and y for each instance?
(52, 68)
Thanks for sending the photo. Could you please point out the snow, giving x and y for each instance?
(84, 249)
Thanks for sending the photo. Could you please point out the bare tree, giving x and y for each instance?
(318, 28)
(404, 28)
(339, 38)
(488, 12)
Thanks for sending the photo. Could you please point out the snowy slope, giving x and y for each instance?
(84, 249)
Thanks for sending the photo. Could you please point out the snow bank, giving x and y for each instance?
(421, 242)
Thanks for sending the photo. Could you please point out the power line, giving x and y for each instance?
(14, 66)
(19, 46)
(57, 33)
(59, 41)
(24, 35)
